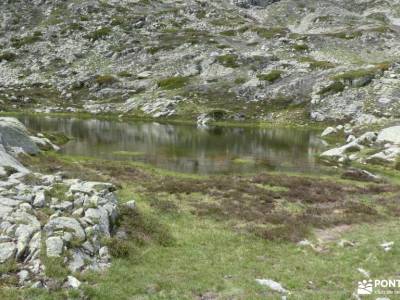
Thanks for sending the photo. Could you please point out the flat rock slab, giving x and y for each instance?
(390, 135)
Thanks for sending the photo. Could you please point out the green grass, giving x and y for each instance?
(177, 250)
(128, 153)
(300, 47)
(271, 76)
(317, 64)
(269, 33)
(99, 33)
(355, 74)
(19, 42)
(334, 88)
(173, 83)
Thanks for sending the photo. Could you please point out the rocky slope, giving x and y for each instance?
(50, 226)
(236, 59)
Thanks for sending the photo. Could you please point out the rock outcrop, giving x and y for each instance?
(44, 218)
(375, 148)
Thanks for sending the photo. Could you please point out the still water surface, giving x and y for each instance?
(187, 148)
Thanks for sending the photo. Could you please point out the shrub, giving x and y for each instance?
(271, 76)
(8, 56)
(355, 74)
(124, 74)
(317, 64)
(228, 33)
(228, 60)
(30, 39)
(140, 229)
(300, 47)
(333, 88)
(99, 33)
(173, 83)
(105, 79)
(269, 33)
(240, 80)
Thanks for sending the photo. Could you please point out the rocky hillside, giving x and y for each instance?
(236, 59)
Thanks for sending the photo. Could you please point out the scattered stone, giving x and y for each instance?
(328, 131)
(363, 272)
(304, 243)
(72, 282)
(273, 285)
(54, 246)
(40, 199)
(387, 246)
(360, 175)
(23, 276)
(130, 204)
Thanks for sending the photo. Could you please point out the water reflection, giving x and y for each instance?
(186, 148)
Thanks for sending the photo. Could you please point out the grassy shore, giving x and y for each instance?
(196, 237)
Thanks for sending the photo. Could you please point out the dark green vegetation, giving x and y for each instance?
(333, 88)
(99, 33)
(228, 60)
(193, 236)
(8, 56)
(353, 78)
(271, 76)
(105, 79)
(173, 83)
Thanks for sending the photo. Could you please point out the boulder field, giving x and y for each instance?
(48, 219)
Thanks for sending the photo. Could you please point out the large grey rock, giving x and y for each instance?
(99, 216)
(7, 161)
(77, 261)
(13, 135)
(390, 135)
(7, 251)
(72, 282)
(40, 199)
(66, 223)
(54, 246)
(328, 131)
(340, 154)
(366, 139)
(91, 187)
(22, 217)
(23, 235)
